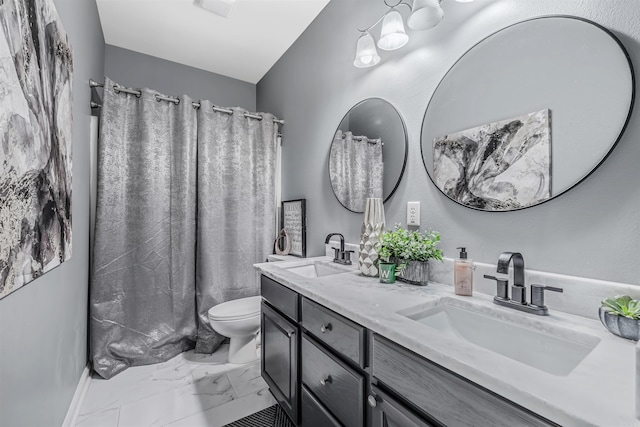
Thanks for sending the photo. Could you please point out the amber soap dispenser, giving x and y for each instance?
(463, 274)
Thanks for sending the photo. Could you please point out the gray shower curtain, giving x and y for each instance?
(236, 199)
(162, 169)
(143, 283)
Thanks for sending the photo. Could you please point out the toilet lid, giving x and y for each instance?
(236, 309)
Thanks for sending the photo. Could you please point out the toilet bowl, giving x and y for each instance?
(240, 321)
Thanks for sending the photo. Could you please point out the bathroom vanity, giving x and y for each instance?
(343, 349)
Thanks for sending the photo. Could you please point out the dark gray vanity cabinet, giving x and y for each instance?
(328, 371)
(313, 359)
(281, 345)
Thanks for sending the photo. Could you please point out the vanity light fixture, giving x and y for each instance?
(392, 35)
(425, 14)
(367, 55)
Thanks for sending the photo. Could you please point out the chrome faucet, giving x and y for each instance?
(341, 256)
(518, 298)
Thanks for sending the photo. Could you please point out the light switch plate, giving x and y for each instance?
(413, 213)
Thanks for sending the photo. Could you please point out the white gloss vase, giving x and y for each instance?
(372, 228)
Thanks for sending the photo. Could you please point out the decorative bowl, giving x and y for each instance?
(619, 325)
(415, 273)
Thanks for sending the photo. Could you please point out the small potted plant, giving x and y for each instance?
(386, 265)
(410, 251)
(620, 316)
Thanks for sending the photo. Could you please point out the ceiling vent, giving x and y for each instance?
(219, 7)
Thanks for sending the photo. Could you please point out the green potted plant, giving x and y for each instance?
(410, 251)
(387, 271)
(620, 316)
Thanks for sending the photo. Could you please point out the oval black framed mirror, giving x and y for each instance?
(368, 153)
(527, 113)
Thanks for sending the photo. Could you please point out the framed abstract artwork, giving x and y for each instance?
(35, 142)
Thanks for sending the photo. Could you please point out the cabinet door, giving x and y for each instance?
(280, 359)
(387, 412)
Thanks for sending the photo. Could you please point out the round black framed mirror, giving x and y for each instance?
(368, 153)
(527, 113)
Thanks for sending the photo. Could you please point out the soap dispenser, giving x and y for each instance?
(463, 274)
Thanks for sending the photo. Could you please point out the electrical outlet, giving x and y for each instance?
(413, 213)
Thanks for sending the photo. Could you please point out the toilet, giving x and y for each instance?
(240, 321)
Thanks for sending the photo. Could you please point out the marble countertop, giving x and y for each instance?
(600, 391)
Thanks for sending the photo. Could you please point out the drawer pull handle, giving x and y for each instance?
(325, 328)
(372, 400)
(326, 380)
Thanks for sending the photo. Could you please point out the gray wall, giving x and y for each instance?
(43, 326)
(133, 69)
(592, 231)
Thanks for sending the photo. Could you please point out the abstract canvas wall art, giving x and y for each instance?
(36, 69)
(499, 166)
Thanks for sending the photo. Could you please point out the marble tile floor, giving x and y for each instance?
(190, 390)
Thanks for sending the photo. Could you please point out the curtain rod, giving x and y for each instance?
(176, 101)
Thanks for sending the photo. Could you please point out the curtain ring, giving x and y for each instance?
(177, 101)
(117, 90)
(282, 235)
(158, 98)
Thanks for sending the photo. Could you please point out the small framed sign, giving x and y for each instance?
(294, 221)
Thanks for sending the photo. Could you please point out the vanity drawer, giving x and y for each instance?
(447, 397)
(342, 335)
(280, 297)
(386, 412)
(314, 414)
(338, 387)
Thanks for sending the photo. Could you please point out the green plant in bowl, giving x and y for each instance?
(620, 315)
(622, 305)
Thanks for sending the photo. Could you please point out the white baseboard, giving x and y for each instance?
(78, 397)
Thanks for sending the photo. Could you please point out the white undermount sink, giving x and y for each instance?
(317, 269)
(553, 349)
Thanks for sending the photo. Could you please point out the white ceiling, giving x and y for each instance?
(244, 46)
